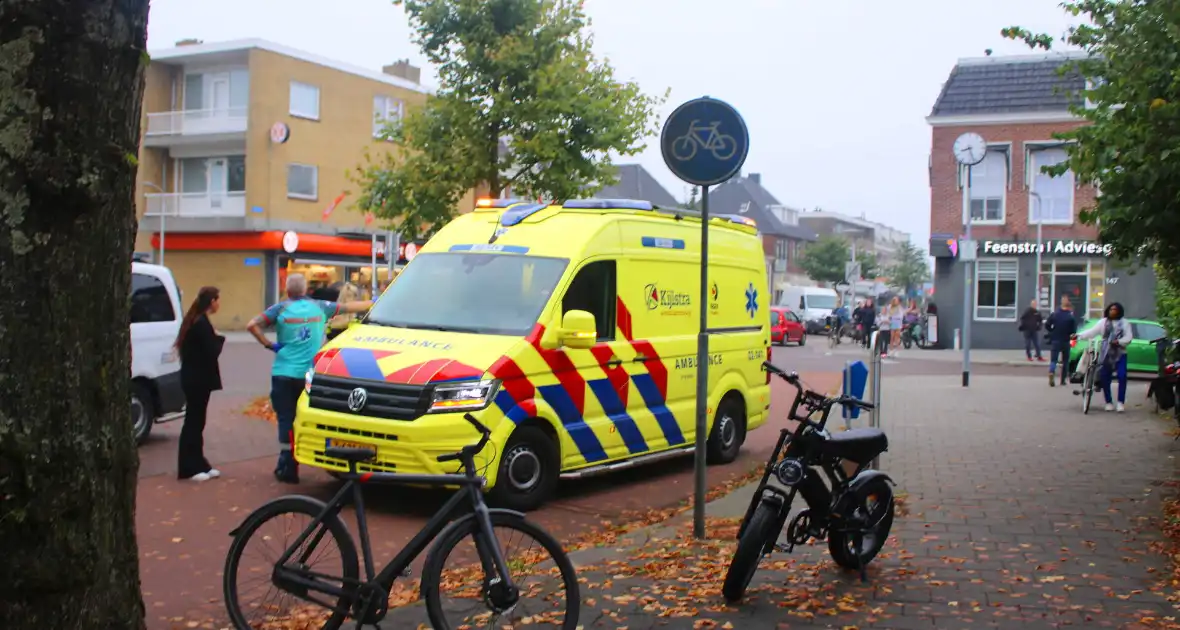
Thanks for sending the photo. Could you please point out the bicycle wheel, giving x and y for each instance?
(267, 612)
(475, 600)
(833, 339)
(1087, 388)
(684, 148)
(750, 550)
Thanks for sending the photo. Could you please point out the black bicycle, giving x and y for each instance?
(330, 597)
(855, 515)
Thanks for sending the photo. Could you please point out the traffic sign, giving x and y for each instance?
(852, 271)
(705, 142)
(856, 377)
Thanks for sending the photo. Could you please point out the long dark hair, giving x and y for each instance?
(1106, 313)
(205, 298)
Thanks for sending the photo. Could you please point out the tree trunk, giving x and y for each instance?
(71, 82)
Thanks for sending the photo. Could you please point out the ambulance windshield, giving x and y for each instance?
(495, 294)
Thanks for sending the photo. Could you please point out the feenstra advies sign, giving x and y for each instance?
(1053, 246)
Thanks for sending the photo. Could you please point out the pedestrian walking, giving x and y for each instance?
(1112, 357)
(896, 320)
(884, 332)
(1061, 326)
(300, 324)
(199, 347)
(868, 318)
(1030, 324)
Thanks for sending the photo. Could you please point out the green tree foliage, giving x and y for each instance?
(868, 264)
(824, 260)
(1131, 148)
(910, 270)
(515, 73)
(1167, 299)
(694, 199)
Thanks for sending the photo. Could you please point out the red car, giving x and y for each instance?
(786, 327)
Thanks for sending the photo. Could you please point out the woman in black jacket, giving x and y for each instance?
(199, 346)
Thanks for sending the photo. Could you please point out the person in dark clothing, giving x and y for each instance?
(200, 375)
(1061, 326)
(868, 318)
(1030, 325)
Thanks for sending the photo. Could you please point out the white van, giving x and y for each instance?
(811, 304)
(156, 394)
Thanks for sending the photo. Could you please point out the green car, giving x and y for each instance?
(1141, 356)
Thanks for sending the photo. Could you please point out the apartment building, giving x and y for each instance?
(1019, 215)
(242, 167)
(867, 236)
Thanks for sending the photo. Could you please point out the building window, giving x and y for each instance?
(1055, 193)
(302, 181)
(305, 100)
(386, 111)
(219, 174)
(989, 184)
(214, 93)
(995, 290)
(780, 249)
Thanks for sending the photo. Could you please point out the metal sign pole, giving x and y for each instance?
(702, 428)
(965, 342)
(373, 275)
(875, 389)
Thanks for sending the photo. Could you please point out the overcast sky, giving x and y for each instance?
(835, 94)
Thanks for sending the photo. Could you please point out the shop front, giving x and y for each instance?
(251, 269)
(1005, 279)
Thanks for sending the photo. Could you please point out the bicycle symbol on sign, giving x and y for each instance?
(707, 137)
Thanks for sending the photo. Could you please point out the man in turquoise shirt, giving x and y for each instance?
(300, 323)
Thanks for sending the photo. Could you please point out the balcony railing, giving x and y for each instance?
(197, 122)
(196, 205)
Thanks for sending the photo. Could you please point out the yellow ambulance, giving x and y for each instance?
(568, 329)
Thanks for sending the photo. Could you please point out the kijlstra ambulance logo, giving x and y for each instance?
(656, 298)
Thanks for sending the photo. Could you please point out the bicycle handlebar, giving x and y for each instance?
(793, 379)
(471, 449)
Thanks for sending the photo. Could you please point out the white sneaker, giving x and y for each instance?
(1109, 407)
(201, 477)
(213, 473)
(1119, 408)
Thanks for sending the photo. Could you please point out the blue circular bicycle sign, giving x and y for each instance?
(705, 142)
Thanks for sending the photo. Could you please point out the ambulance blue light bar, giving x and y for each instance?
(608, 204)
(519, 213)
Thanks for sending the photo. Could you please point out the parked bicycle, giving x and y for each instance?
(343, 593)
(855, 515)
(1088, 376)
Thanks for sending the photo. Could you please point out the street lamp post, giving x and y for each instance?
(969, 150)
(1040, 219)
(162, 213)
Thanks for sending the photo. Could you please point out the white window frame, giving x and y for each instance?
(1031, 147)
(1004, 148)
(1016, 290)
(315, 182)
(382, 117)
(298, 113)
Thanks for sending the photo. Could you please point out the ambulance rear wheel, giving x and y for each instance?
(528, 470)
(725, 440)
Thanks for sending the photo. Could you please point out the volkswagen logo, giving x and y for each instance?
(357, 399)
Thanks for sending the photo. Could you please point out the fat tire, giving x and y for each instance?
(504, 495)
(715, 452)
(838, 542)
(147, 402)
(440, 551)
(751, 547)
(288, 505)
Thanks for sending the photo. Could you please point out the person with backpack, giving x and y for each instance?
(1030, 324)
(1061, 326)
(300, 325)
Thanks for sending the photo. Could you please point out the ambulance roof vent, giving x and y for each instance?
(520, 212)
(608, 204)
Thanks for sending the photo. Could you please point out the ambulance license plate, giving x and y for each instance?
(331, 443)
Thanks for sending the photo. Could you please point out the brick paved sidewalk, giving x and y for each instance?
(1023, 513)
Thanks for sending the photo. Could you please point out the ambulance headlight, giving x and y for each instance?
(464, 396)
(307, 379)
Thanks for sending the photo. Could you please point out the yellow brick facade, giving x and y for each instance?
(240, 285)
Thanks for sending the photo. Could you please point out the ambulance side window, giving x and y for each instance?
(593, 291)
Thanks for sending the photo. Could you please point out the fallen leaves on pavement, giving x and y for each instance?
(261, 409)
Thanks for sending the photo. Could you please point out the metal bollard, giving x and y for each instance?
(875, 388)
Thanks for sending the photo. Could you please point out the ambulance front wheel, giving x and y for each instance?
(528, 470)
(729, 431)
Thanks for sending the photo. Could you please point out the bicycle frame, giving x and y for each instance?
(817, 496)
(470, 491)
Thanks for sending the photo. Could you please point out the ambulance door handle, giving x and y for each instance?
(641, 358)
(614, 362)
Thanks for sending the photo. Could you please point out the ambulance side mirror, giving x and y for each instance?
(578, 330)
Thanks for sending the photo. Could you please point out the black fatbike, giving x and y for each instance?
(854, 515)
